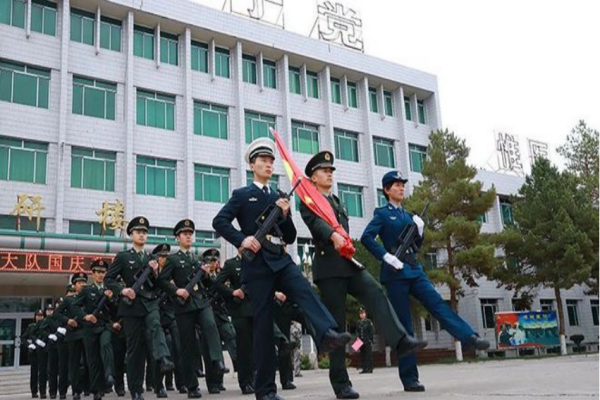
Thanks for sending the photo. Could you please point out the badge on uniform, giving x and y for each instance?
(252, 199)
(392, 218)
(196, 288)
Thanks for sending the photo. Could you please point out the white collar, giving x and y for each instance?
(394, 206)
(260, 186)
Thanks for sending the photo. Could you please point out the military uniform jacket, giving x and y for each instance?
(328, 263)
(387, 223)
(86, 303)
(246, 205)
(128, 264)
(69, 310)
(365, 330)
(48, 326)
(32, 332)
(217, 302)
(179, 269)
(231, 272)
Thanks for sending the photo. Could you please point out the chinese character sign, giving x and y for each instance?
(269, 11)
(509, 153)
(537, 149)
(111, 215)
(339, 24)
(527, 329)
(30, 206)
(19, 261)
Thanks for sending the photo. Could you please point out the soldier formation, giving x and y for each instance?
(164, 318)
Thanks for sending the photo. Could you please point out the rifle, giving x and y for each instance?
(408, 237)
(139, 282)
(193, 280)
(265, 226)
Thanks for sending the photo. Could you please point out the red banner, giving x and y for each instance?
(20, 261)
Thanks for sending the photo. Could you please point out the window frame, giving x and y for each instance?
(156, 161)
(39, 150)
(157, 97)
(297, 126)
(222, 173)
(345, 190)
(341, 134)
(98, 85)
(388, 144)
(94, 157)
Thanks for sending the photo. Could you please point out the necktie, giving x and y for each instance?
(265, 189)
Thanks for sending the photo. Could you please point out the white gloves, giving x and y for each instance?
(40, 343)
(31, 347)
(62, 331)
(53, 337)
(419, 223)
(393, 261)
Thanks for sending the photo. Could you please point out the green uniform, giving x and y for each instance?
(49, 325)
(366, 333)
(38, 358)
(140, 318)
(169, 325)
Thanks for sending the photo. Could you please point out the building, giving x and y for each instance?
(153, 103)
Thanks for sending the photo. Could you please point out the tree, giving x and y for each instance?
(457, 201)
(548, 244)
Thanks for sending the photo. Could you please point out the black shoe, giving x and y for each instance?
(53, 396)
(288, 386)
(42, 395)
(270, 396)
(200, 373)
(34, 395)
(62, 397)
(110, 381)
(166, 365)
(347, 393)
(76, 396)
(161, 393)
(137, 396)
(194, 394)
(366, 371)
(222, 388)
(416, 386)
(214, 390)
(170, 388)
(408, 345)
(182, 390)
(97, 396)
(219, 366)
(248, 389)
(226, 370)
(120, 392)
(476, 343)
(333, 340)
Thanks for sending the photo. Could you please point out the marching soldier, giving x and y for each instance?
(406, 277)
(36, 345)
(366, 333)
(272, 268)
(63, 347)
(336, 277)
(141, 316)
(195, 311)
(50, 326)
(97, 329)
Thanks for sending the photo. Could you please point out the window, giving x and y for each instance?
(94, 98)
(336, 91)
(483, 218)
(373, 100)
(573, 312)
(168, 48)
(547, 304)
(22, 160)
(199, 56)
(249, 68)
(210, 120)
(407, 109)
(430, 261)
(43, 17)
(351, 196)
(519, 304)
(305, 138)
(82, 26)
(488, 308)
(257, 125)
(206, 237)
(312, 84)
(89, 228)
(270, 74)
(222, 62)
(23, 84)
(294, 76)
(12, 12)
(384, 152)
(93, 169)
(417, 155)
(211, 184)
(381, 200)
(389, 104)
(421, 111)
(273, 180)
(155, 176)
(431, 324)
(506, 212)
(10, 222)
(305, 244)
(594, 305)
(143, 42)
(156, 110)
(352, 95)
(346, 145)
(110, 34)
(165, 234)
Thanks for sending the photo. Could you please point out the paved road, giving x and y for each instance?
(564, 378)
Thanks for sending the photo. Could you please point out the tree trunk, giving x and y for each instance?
(453, 301)
(559, 307)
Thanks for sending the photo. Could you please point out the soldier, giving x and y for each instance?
(63, 347)
(97, 329)
(50, 326)
(196, 309)
(406, 277)
(272, 268)
(141, 316)
(366, 333)
(36, 346)
(336, 277)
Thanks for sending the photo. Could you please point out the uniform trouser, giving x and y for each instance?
(99, 353)
(43, 369)
(290, 281)
(369, 292)
(423, 290)
(63, 367)
(34, 371)
(173, 342)
(53, 369)
(79, 380)
(151, 366)
(366, 356)
(135, 329)
(284, 361)
(227, 334)
(243, 338)
(187, 322)
(214, 379)
(119, 344)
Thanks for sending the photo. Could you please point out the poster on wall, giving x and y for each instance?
(527, 329)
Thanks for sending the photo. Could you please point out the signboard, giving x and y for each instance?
(21, 261)
(339, 24)
(527, 329)
(509, 153)
(537, 149)
(269, 11)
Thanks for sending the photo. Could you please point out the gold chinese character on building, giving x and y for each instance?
(111, 215)
(30, 206)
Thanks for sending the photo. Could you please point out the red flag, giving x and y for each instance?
(313, 199)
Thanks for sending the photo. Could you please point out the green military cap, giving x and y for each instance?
(50, 307)
(78, 276)
(99, 265)
(185, 225)
(70, 288)
(162, 249)
(211, 254)
(39, 312)
(323, 159)
(138, 223)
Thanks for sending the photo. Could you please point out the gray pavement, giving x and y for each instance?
(570, 378)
